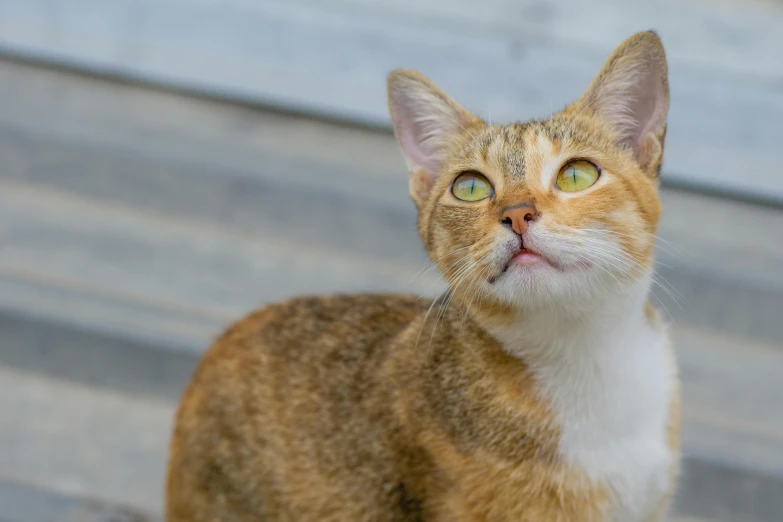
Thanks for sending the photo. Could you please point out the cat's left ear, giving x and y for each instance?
(631, 96)
(426, 122)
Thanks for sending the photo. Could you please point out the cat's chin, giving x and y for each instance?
(524, 272)
(534, 280)
(522, 268)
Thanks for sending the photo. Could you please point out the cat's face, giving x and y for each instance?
(558, 210)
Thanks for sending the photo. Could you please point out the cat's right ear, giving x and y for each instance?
(426, 120)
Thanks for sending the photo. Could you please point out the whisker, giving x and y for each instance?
(657, 278)
(672, 292)
(432, 263)
(572, 122)
(424, 321)
(455, 288)
(475, 139)
(478, 292)
(625, 265)
(463, 258)
(665, 245)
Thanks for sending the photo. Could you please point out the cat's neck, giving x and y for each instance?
(607, 375)
(569, 328)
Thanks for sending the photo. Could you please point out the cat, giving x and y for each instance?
(541, 387)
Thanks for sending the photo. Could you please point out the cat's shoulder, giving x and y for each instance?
(347, 311)
(315, 328)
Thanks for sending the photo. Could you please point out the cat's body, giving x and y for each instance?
(385, 429)
(542, 387)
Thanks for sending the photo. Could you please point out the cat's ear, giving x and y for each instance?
(631, 96)
(426, 120)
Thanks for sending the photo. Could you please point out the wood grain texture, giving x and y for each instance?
(505, 60)
(139, 214)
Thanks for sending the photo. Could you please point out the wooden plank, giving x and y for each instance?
(26, 503)
(183, 279)
(735, 37)
(173, 274)
(66, 437)
(730, 398)
(200, 275)
(116, 215)
(505, 61)
(74, 440)
(334, 187)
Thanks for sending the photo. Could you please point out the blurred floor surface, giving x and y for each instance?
(135, 224)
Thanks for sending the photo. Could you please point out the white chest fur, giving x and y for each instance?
(610, 385)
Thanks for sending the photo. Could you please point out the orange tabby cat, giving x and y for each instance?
(541, 388)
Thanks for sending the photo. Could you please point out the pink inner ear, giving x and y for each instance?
(412, 138)
(633, 99)
(410, 145)
(426, 121)
(656, 120)
(645, 106)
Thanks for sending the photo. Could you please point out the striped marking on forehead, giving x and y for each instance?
(506, 150)
(573, 131)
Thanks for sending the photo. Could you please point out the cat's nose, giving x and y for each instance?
(518, 216)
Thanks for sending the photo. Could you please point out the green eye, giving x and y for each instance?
(471, 186)
(577, 175)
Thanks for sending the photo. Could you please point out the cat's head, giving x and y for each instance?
(558, 210)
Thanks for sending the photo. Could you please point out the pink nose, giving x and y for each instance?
(519, 216)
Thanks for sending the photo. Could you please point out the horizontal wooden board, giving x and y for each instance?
(134, 223)
(317, 185)
(506, 60)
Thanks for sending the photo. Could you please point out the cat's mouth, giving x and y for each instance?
(526, 257)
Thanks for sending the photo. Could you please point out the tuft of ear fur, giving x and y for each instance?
(426, 120)
(631, 96)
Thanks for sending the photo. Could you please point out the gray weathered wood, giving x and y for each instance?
(503, 59)
(134, 221)
(26, 503)
(314, 183)
(62, 436)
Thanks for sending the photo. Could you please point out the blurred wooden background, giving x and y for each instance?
(168, 165)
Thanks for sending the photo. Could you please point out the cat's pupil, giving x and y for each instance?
(472, 185)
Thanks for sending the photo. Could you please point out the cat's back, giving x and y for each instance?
(292, 387)
(306, 332)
